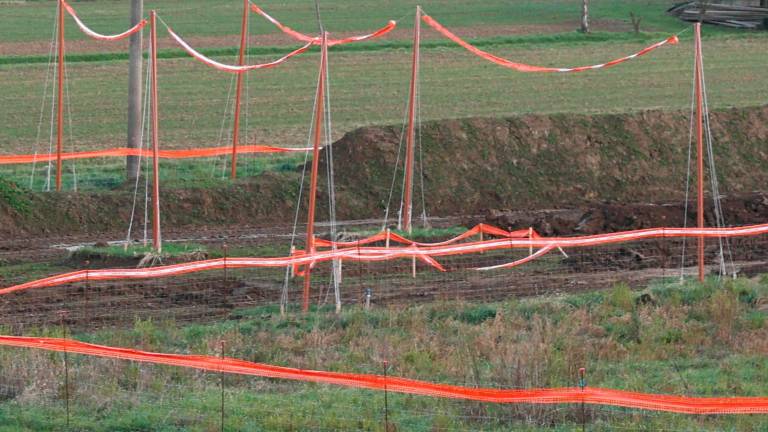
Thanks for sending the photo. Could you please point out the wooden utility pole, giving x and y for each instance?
(585, 16)
(699, 146)
(410, 138)
(318, 135)
(134, 90)
(60, 98)
(240, 76)
(157, 243)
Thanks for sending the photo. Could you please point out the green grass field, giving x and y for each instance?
(31, 20)
(368, 85)
(702, 340)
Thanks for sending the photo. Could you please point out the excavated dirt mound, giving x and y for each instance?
(552, 161)
(470, 165)
(606, 218)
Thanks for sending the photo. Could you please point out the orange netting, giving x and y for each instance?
(162, 154)
(573, 395)
(522, 67)
(426, 253)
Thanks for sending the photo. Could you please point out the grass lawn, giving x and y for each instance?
(371, 88)
(31, 21)
(368, 86)
(691, 339)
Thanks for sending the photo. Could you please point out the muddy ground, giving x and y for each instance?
(561, 175)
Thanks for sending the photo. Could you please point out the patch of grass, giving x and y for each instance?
(137, 251)
(31, 21)
(109, 174)
(368, 88)
(649, 347)
(177, 250)
(14, 197)
(30, 271)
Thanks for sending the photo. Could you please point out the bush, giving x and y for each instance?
(621, 297)
(477, 315)
(14, 196)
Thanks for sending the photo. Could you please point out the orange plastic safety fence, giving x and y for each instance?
(426, 254)
(99, 36)
(162, 154)
(232, 68)
(522, 67)
(316, 39)
(587, 395)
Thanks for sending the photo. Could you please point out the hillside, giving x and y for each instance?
(470, 165)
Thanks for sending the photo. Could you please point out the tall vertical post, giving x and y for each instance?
(60, 97)
(699, 146)
(318, 134)
(241, 59)
(135, 60)
(156, 240)
(585, 16)
(410, 131)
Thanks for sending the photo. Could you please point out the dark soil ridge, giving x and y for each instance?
(470, 165)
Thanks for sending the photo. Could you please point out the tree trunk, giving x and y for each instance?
(134, 90)
(585, 16)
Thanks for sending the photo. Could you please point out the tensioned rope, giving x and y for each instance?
(546, 396)
(69, 125)
(688, 169)
(522, 67)
(714, 182)
(51, 50)
(328, 134)
(143, 135)
(308, 149)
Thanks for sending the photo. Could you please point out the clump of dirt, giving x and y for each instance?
(599, 218)
(550, 161)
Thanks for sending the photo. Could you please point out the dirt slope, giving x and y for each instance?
(470, 165)
(553, 161)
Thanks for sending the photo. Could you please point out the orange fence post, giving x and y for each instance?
(699, 147)
(318, 135)
(156, 240)
(60, 96)
(241, 59)
(410, 133)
